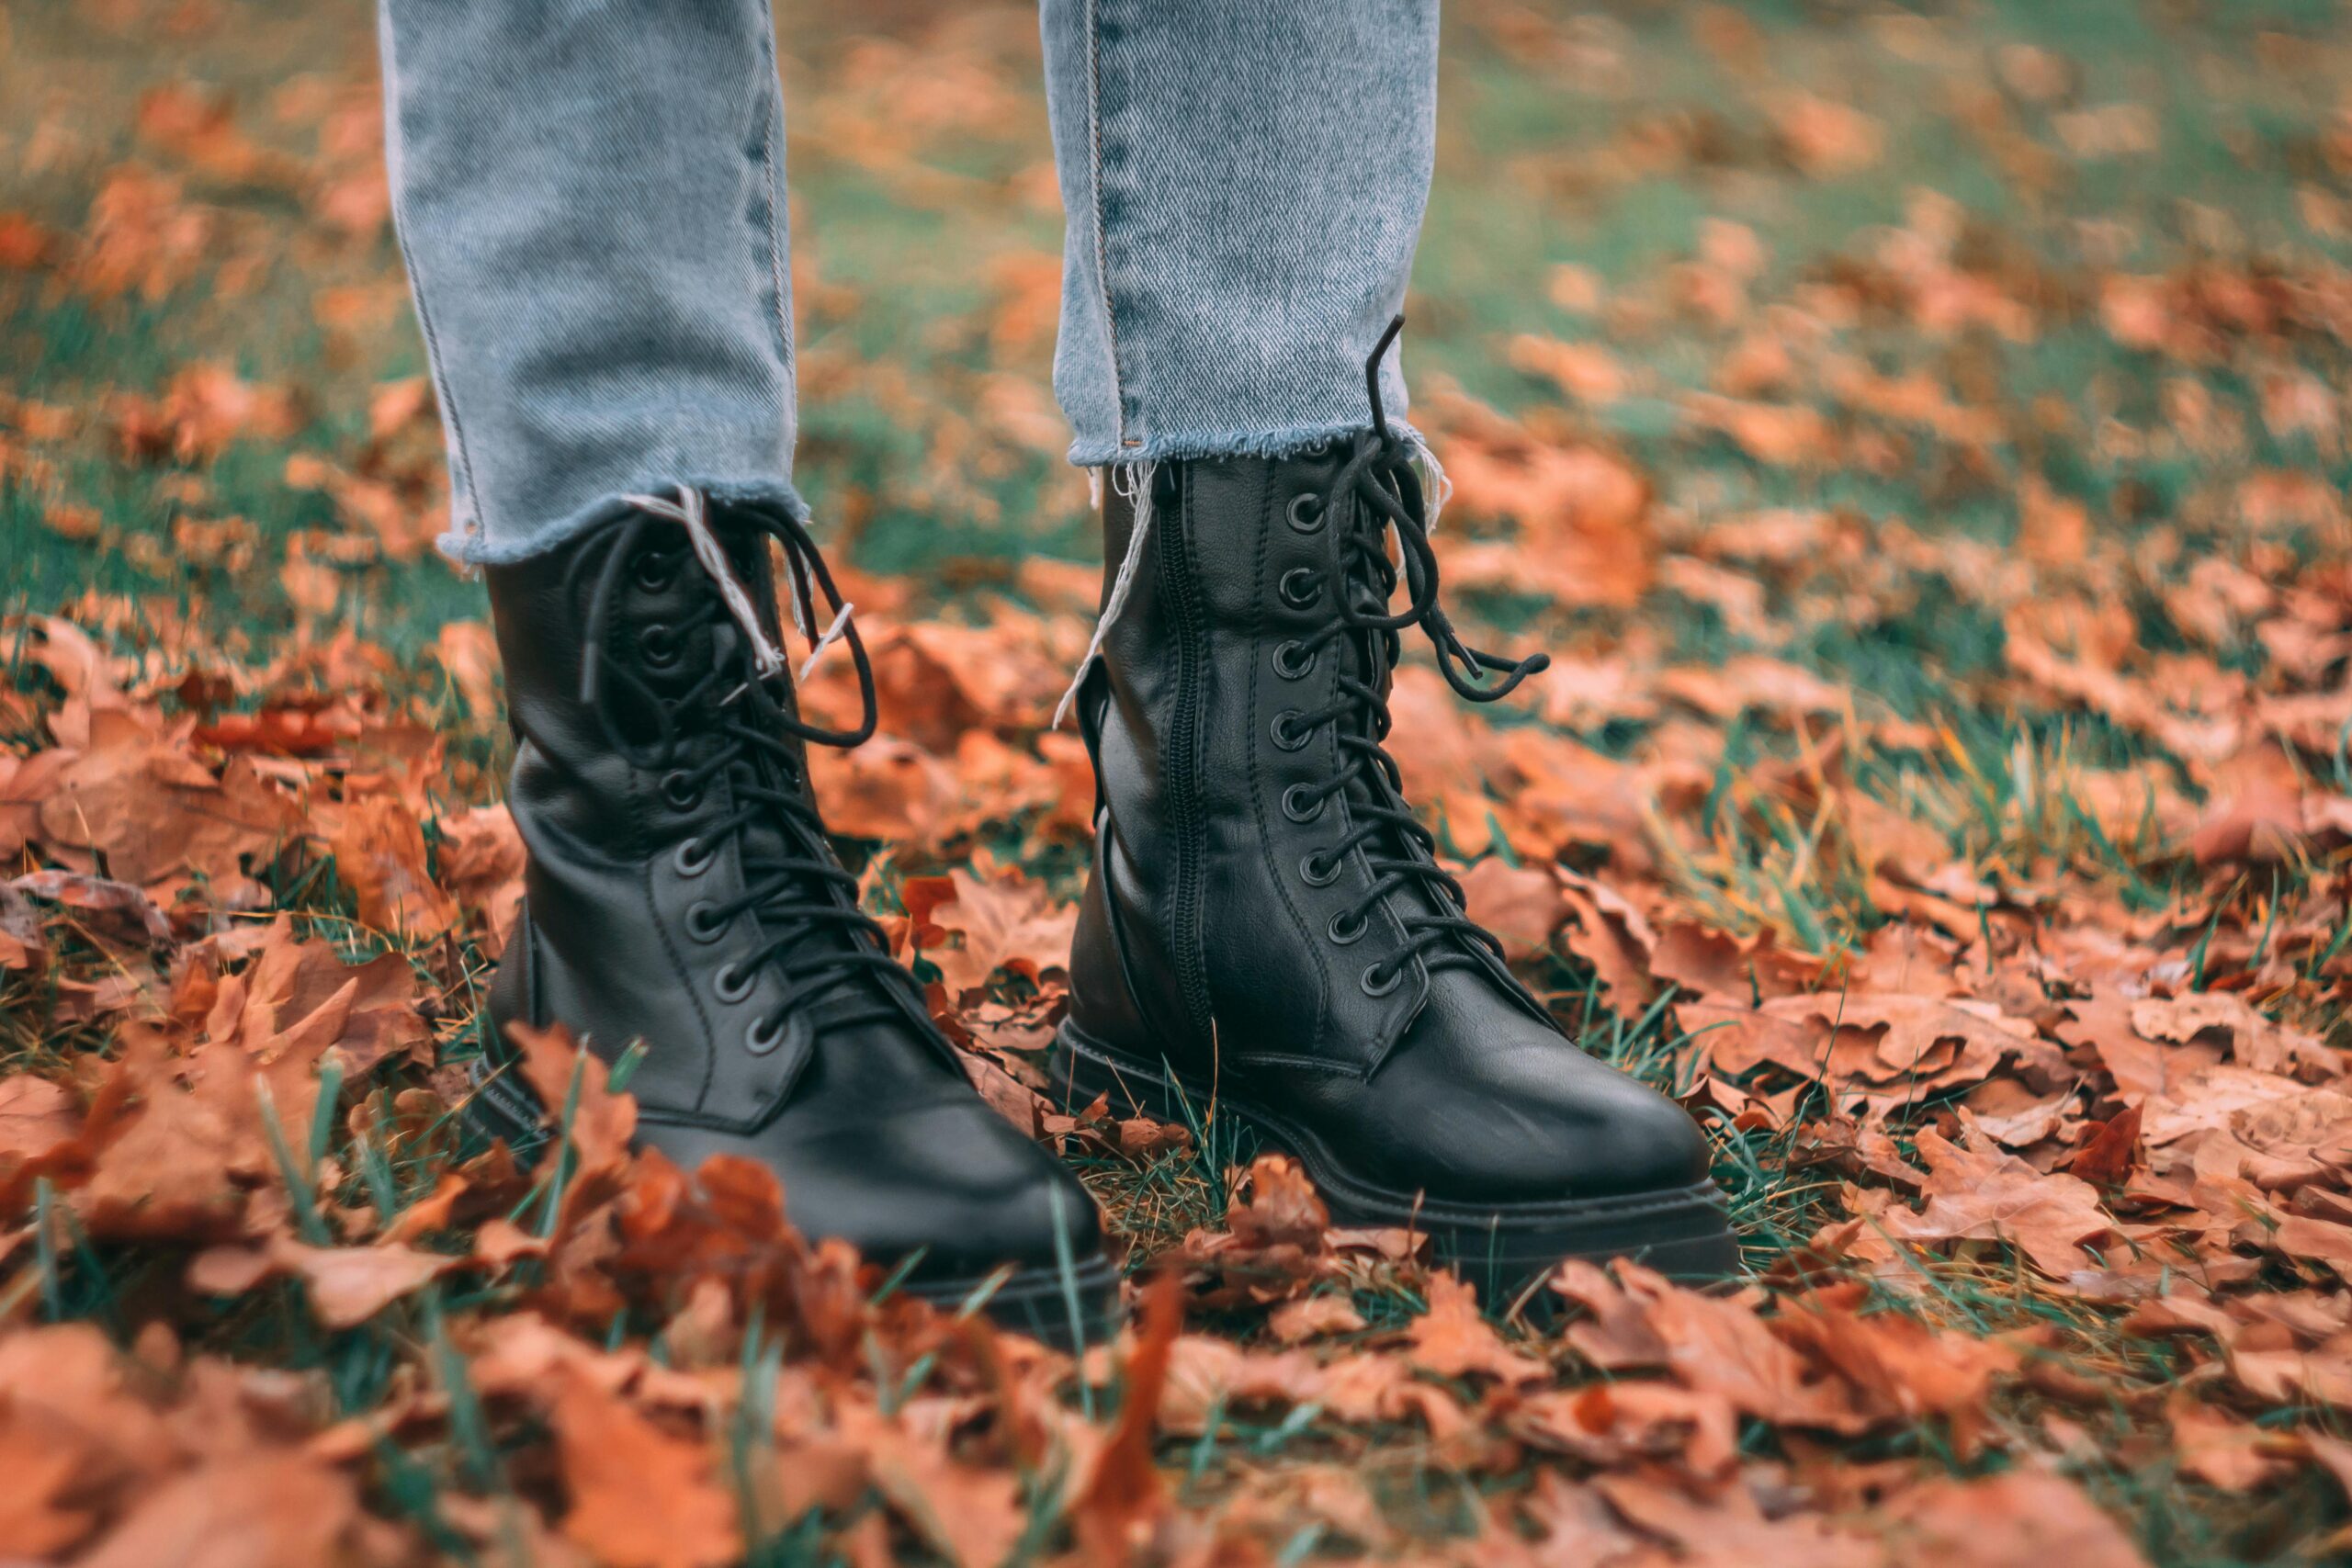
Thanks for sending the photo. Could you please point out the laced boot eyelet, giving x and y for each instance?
(658, 646)
(731, 984)
(1293, 660)
(1346, 934)
(1301, 804)
(656, 572)
(702, 923)
(1376, 984)
(765, 1035)
(681, 792)
(1306, 512)
(1316, 872)
(692, 858)
(1300, 587)
(1287, 732)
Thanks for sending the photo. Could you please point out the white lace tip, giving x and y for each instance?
(689, 512)
(1069, 698)
(833, 635)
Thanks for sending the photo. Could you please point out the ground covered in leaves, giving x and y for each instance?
(1919, 435)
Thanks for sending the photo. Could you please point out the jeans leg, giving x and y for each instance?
(590, 200)
(1245, 181)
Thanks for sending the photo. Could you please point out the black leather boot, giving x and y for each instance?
(682, 893)
(1265, 926)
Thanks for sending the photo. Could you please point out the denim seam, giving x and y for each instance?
(778, 276)
(477, 527)
(1101, 230)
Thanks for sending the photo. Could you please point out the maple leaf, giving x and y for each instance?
(135, 794)
(1522, 905)
(1614, 937)
(184, 1161)
(480, 858)
(1978, 1196)
(565, 1078)
(1010, 922)
(1880, 1051)
(1453, 1339)
(379, 852)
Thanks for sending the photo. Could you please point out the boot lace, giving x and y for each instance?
(729, 722)
(1378, 493)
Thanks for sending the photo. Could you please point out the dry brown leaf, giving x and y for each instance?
(636, 1495)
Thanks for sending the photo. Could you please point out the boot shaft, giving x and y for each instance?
(1228, 698)
(657, 637)
(680, 889)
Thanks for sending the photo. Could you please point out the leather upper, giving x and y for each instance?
(850, 1094)
(1216, 912)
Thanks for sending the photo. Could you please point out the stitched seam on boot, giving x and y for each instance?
(1258, 795)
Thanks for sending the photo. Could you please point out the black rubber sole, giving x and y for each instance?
(1069, 1308)
(1683, 1233)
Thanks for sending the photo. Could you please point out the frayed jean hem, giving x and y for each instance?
(475, 547)
(1284, 442)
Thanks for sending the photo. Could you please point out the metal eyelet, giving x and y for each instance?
(732, 983)
(1377, 987)
(1344, 935)
(692, 858)
(765, 1035)
(1286, 732)
(1293, 660)
(681, 792)
(658, 645)
(1301, 517)
(1300, 587)
(656, 572)
(702, 923)
(1315, 876)
(1296, 807)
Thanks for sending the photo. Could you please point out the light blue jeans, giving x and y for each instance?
(590, 200)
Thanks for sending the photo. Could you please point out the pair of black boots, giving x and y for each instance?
(1264, 921)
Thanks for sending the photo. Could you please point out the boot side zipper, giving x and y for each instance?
(1184, 760)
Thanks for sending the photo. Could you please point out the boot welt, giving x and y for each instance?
(1683, 1233)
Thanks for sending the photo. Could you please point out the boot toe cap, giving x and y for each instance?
(1525, 1117)
(951, 1185)
(1612, 1140)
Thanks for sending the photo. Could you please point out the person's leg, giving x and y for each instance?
(1244, 181)
(1266, 923)
(589, 197)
